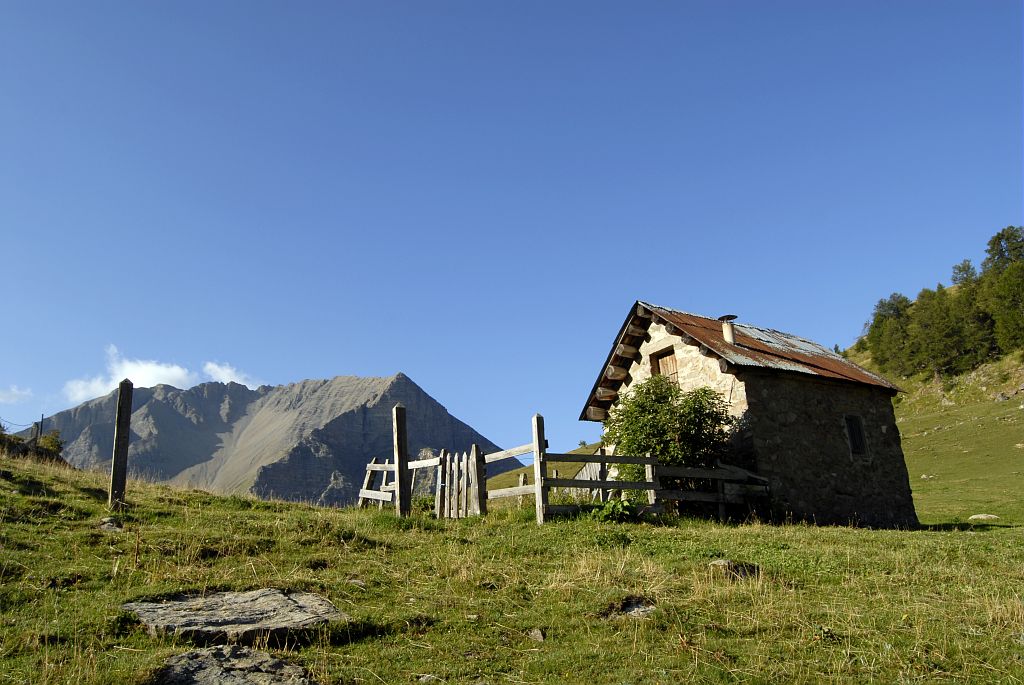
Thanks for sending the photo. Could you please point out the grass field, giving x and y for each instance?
(458, 599)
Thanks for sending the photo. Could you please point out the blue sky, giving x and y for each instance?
(474, 193)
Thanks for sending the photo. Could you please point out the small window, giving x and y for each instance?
(855, 434)
(664, 364)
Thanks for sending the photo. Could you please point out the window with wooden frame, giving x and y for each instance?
(855, 436)
(663, 363)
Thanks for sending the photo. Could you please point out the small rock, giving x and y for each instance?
(946, 402)
(230, 664)
(472, 617)
(109, 524)
(925, 476)
(536, 634)
(428, 678)
(734, 569)
(1020, 445)
(358, 583)
(1001, 397)
(638, 609)
(983, 517)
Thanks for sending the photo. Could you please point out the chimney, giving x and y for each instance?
(727, 328)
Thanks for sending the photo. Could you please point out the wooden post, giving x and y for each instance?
(122, 432)
(403, 493)
(384, 482)
(463, 498)
(367, 482)
(651, 471)
(466, 484)
(554, 474)
(450, 484)
(442, 485)
(452, 487)
(602, 475)
(460, 484)
(539, 450)
(453, 492)
(522, 482)
(480, 479)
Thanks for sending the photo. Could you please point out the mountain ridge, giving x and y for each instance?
(292, 441)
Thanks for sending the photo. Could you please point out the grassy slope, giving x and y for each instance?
(457, 598)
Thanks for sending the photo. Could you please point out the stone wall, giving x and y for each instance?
(798, 430)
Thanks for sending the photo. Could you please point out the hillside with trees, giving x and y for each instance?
(951, 330)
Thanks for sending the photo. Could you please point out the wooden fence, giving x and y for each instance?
(461, 489)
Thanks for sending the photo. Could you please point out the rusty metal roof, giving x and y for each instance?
(755, 348)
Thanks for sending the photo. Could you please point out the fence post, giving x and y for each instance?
(450, 487)
(457, 490)
(651, 471)
(122, 433)
(464, 481)
(480, 475)
(367, 482)
(522, 482)
(539, 449)
(403, 495)
(442, 485)
(602, 475)
(721, 502)
(384, 482)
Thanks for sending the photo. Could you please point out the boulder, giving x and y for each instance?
(237, 616)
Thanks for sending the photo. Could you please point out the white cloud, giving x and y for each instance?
(142, 373)
(225, 373)
(14, 395)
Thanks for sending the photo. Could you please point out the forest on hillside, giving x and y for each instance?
(950, 330)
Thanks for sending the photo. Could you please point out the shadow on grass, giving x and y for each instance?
(98, 494)
(27, 485)
(337, 634)
(959, 526)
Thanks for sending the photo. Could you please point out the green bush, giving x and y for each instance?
(615, 511)
(679, 428)
(51, 443)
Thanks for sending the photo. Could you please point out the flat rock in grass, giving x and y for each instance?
(734, 569)
(632, 606)
(638, 608)
(230, 665)
(236, 616)
(983, 517)
(110, 524)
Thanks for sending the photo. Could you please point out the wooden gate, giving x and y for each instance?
(461, 488)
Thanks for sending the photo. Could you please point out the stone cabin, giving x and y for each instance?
(820, 428)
